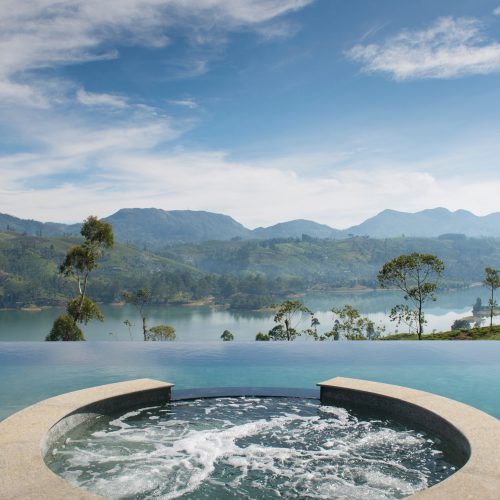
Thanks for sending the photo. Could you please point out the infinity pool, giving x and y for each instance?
(467, 371)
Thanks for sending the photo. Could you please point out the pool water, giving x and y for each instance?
(467, 371)
(249, 447)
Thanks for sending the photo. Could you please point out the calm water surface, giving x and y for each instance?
(195, 324)
(466, 371)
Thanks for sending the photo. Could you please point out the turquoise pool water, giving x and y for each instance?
(466, 371)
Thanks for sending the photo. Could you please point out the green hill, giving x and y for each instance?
(152, 227)
(244, 273)
(338, 263)
(29, 271)
(297, 228)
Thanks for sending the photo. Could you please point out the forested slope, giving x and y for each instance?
(243, 273)
(339, 263)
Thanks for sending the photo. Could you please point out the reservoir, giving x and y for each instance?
(206, 324)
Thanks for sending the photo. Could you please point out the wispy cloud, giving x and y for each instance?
(451, 47)
(39, 34)
(278, 30)
(73, 146)
(78, 165)
(497, 11)
(96, 99)
(373, 31)
(185, 103)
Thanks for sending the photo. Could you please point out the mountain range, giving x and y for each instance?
(155, 227)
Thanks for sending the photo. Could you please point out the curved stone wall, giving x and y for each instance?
(473, 434)
(26, 436)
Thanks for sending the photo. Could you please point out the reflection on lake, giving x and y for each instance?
(194, 324)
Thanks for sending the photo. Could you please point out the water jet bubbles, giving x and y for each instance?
(250, 447)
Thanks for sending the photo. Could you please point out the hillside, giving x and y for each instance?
(428, 223)
(29, 271)
(477, 333)
(297, 228)
(143, 227)
(30, 227)
(244, 273)
(153, 228)
(337, 263)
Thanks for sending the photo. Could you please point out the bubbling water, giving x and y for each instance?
(228, 448)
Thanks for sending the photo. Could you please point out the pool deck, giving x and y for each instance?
(26, 437)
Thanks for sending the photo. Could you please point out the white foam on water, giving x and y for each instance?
(252, 447)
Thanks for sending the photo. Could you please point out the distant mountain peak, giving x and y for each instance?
(430, 222)
(155, 227)
(296, 229)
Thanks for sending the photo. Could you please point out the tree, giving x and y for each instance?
(78, 263)
(227, 336)
(349, 324)
(161, 333)
(288, 316)
(262, 337)
(82, 259)
(460, 324)
(129, 325)
(415, 276)
(492, 281)
(477, 306)
(65, 328)
(139, 299)
(403, 314)
(313, 330)
(314, 324)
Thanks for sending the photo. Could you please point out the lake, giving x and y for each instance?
(195, 324)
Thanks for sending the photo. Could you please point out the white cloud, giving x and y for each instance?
(449, 48)
(497, 11)
(278, 30)
(185, 103)
(37, 34)
(133, 165)
(254, 196)
(96, 99)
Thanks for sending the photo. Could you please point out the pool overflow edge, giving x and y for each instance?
(27, 436)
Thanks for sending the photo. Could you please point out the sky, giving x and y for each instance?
(264, 110)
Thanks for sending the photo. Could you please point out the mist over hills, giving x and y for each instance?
(155, 227)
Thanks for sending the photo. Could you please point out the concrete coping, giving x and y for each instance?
(26, 436)
(473, 434)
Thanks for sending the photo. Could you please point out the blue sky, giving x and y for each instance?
(266, 110)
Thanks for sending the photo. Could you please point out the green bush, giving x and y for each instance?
(65, 329)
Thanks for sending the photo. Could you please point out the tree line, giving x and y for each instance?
(415, 275)
(244, 274)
